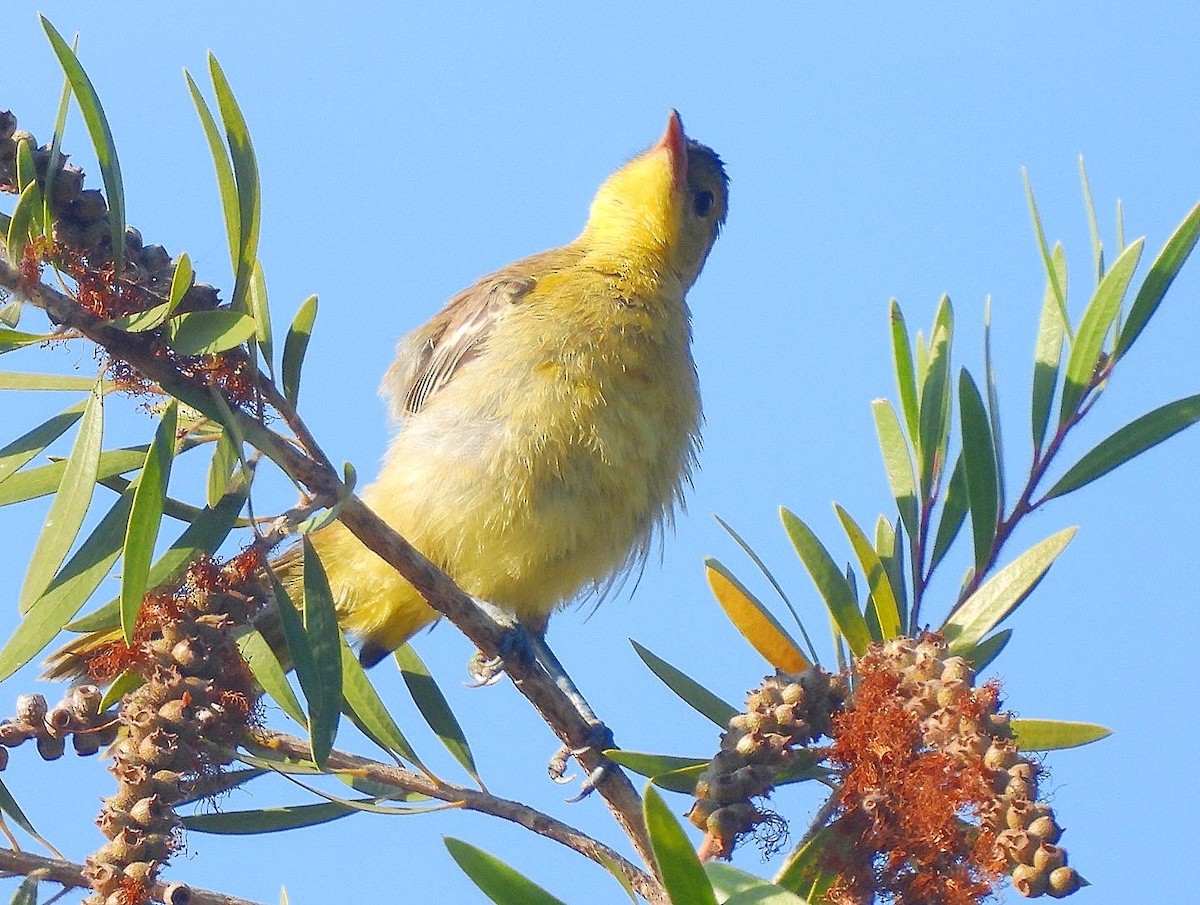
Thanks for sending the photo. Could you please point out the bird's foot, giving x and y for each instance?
(600, 739)
(484, 670)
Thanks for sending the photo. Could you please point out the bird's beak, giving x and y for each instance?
(675, 143)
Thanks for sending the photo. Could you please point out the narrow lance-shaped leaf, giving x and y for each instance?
(897, 461)
(498, 881)
(101, 135)
(300, 649)
(24, 221)
(245, 173)
(753, 620)
(1060, 294)
(682, 874)
(954, 513)
(883, 598)
(295, 345)
(935, 413)
(891, 554)
(689, 690)
(11, 380)
(979, 468)
(55, 159)
(906, 378)
(987, 650)
(145, 518)
(325, 639)
(1094, 326)
(1162, 273)
(1052, 735)
(224, 170)
(70, 505)
(367, 710)
(269, 674)
(1093, 225)
(993, 402)
(70, 589)
(1048, 351)
(44, 480)
(1002, 593)
(208, 332)
(762, 567)
(152, 318)
(224, 459)
(831, 583)
(260, 310)
(434, 708)
(1130, 441)
(16, 454)
(267, 820)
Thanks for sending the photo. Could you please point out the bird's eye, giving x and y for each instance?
(702, 203)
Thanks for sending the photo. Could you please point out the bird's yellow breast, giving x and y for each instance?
(549, 460)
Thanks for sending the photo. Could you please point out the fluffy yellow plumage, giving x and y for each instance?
(550, 412)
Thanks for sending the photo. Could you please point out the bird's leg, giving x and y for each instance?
(600, 737)
(515, 643)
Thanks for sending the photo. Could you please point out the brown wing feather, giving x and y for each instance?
(427, 358)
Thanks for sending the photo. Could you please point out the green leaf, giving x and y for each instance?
(60, 127)
(498, 881)
(891, 554)
(20, 451)
(245, 172)
(883, 598)
(261, 312)
(145, 519)
(1048, 351)
(14, 339)
(1093, 225)
(906, 380)
(1002, 593)
(269, 674)
(954, 513)
(831, 583)
(983, 654)
(27, 892)
(207, 332)
(689, 690)
(267, 820)
(934, 425)
(734, 886)
(70, 505)
(298, 644)
(10, 380)
(226, 781)
(224, 460)
(1060, 293)
(46, 479)
(806, 873)
(205, 534)
(993, 403)
(152, 318)
(9, 806)
(651, 765)
(70, 589)
(1052, 735)
(1094, 326)
(129, 680)
(897, 460)
(434, 708)
(1130, 441)
(366, 708)
(324, 694)
(102, 139)
(1162, 273)
(682, 874)
(296, 345)
(23, 223)
(980, 468)
(225, 180)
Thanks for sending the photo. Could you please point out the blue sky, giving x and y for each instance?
(875, 152)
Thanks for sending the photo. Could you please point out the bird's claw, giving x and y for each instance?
(600, 739)
(484, 671)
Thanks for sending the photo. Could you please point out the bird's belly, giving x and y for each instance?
(528, 510)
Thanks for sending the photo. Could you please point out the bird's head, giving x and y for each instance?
(664, 208)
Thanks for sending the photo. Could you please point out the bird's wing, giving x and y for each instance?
(428, 357)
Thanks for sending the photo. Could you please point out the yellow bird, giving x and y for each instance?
(550, 413)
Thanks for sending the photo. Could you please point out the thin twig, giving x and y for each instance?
(71, 875)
